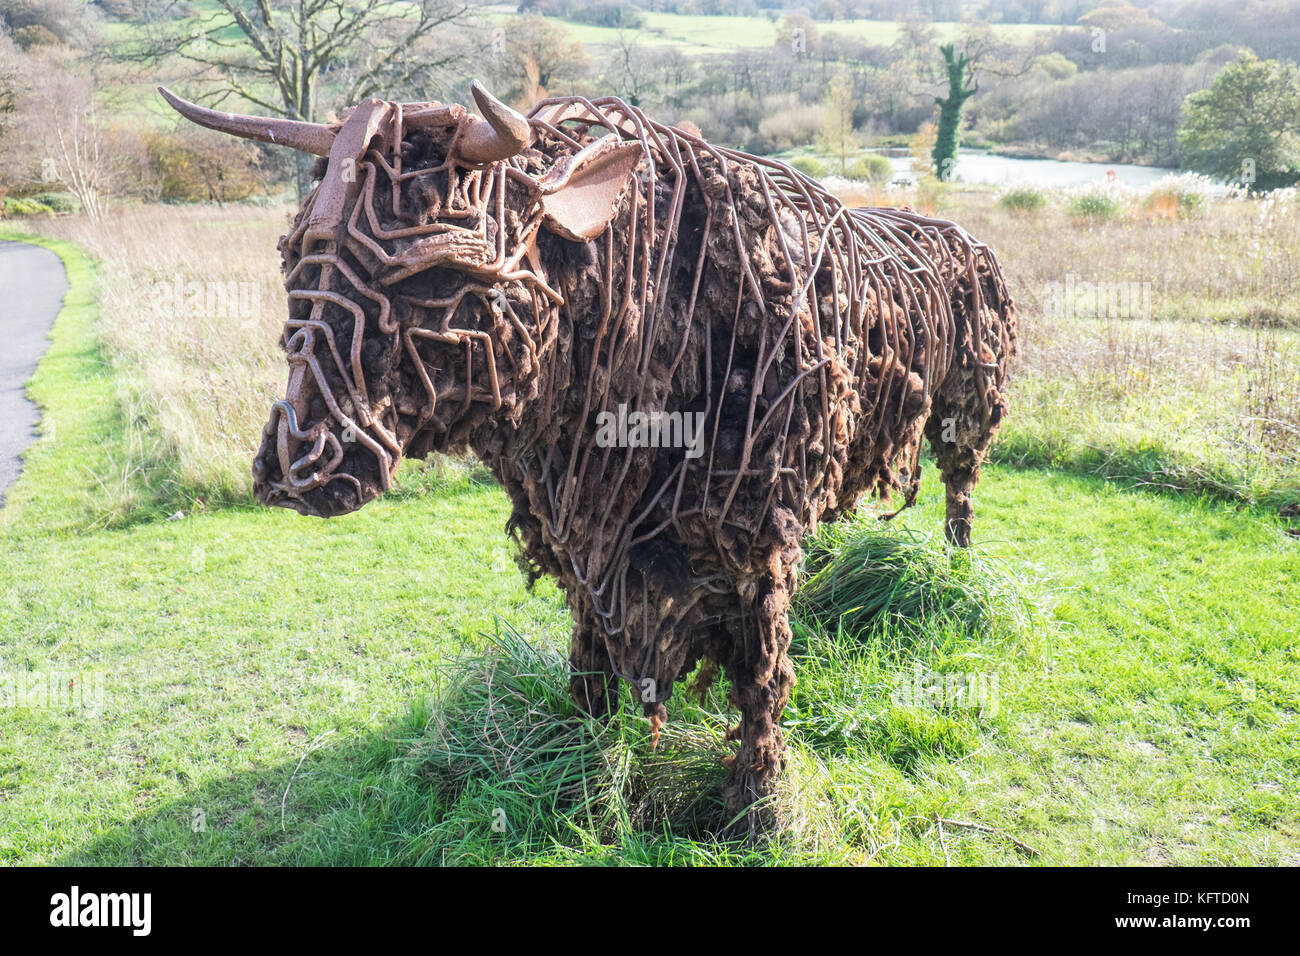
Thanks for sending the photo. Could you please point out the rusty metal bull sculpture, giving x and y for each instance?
(676, 358)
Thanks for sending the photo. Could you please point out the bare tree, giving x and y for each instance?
(277, 54)
(540, 58)
(838, 135)
(61, 140)
(630, 66)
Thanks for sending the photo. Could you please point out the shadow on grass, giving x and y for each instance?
(502, 768)
(1151, 469)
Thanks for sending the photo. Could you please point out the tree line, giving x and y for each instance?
(1121, 84)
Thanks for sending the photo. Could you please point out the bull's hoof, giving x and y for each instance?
(591, 694)
(750, 792)
(957, 531)
(751, 804)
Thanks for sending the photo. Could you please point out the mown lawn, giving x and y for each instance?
(271, 678)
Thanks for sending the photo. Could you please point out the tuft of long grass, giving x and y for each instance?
(501, 765)
(878, 605)
(868, 580)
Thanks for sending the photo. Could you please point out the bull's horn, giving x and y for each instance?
(311, 138)
(501, 133)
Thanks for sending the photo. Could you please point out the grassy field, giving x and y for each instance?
(252, 687)
(720, 34)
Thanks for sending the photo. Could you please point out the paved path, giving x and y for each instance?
(32, 284)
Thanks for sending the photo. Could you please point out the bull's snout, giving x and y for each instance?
(297, 467)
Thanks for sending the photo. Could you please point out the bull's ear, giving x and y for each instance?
(580, 195)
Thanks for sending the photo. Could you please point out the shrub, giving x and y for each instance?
(874, 168)
(1178, 196)
(794, 125)
(26, 207)
(34, 36)
(1101, 200)
(809, 166)
(58, 202)
(196, 165)
(34, 23)
(610, 15)
(1023, 199)
(931, 195)
(1094, 206)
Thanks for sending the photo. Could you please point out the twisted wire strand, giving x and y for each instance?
(831, 313)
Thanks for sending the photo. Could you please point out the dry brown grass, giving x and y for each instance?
(1197, 384)
(1184, 405)
(197, 381)
(1236, 261)
(1204, 392)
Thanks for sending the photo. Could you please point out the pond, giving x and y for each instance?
(976, 166)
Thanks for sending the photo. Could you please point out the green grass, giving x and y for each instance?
(720, 34)
(354, 690)
(78, 437)
(1022, 200)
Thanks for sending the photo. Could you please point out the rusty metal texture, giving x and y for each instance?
(508, 285)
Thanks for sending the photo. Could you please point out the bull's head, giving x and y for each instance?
(421, 301)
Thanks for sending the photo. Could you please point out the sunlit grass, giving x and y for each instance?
(373, 689)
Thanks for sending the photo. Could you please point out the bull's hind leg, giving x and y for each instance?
(959, 436)
(761, 679)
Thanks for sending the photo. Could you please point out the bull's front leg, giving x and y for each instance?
(761, 678)
(592, 683)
